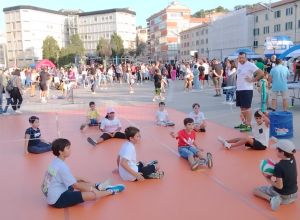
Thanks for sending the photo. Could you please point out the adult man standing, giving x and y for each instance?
(247, 74)
(217, 71)
(279, 76)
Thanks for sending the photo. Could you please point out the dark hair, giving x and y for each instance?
(32, 119)
(131, 132)
(256, 114)
(187, 121)
(242, 53)
(278, 61)
(196, 104)
(91, 103)
(161, 103)
(286, 154)
(59, 144)
(232, 64)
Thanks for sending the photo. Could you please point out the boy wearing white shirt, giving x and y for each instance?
(162, 117)
(198, 117)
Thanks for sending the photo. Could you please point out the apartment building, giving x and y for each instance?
(194, 40)
(3, 53)
(281, 18)
(28, 26)
(164, 30)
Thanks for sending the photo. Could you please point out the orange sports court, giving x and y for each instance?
(223, 192)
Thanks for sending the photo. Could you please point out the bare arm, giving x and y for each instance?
(27, 137)
(278, 183)
(124, 164)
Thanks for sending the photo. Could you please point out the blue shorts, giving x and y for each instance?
(93, 122)
(187, 151)
(68, 198)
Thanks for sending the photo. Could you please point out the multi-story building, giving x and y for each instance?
(142, 34)
(94, 25)
(194, 40)
(229, 33)
(164, 28)
(3, 53)
(281, 18)
(28, 26)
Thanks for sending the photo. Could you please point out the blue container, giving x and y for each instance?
(281, 124)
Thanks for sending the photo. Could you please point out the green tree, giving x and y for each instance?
(50, 49)
(117, 46)
(104, 49)
(76, 45)
(65, 57)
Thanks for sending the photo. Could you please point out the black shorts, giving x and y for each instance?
(206, 77)
(244, 98)
(146, 170)
(68, 198)
(106, 136)
(43, 86)
(256, 145)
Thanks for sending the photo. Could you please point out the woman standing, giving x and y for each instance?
(16, 93)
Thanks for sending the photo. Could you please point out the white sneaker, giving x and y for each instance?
(18, 111)
(153, 99)
(131, 92)
(275, 202)
(5, 113)
(224, 142)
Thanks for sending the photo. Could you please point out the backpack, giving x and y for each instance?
(9, 87)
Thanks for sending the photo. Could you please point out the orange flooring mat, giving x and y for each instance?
(225, 192)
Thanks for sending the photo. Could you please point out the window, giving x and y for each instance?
(255, 43)
(277, 28)
(266, 17)
(256, 19)
(206, 41)
(277, 14)
(289, 26)
(289, 11)
(266, 30)
(197, 41)
(95, 19)
(298, 23)
(256, 31)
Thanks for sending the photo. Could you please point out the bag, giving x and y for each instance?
(9, 86)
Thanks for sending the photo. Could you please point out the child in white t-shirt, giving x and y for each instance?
(62, 189)
(260, 135)
(111, 128)
(129, 168)
(162, 117)
(198, 117)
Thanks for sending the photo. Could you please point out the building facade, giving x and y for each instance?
(28, 26)
(194, 40)
(164, 30)
(229, 33)
(3, 52)
(281, 18)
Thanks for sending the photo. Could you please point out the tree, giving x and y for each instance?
(76, 45)
(104, 48)
(117, 46)
(50, 49)
(203, 13)
(65, 57)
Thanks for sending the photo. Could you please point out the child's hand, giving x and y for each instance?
(172, 133)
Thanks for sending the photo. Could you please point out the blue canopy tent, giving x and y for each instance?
(250, 54)
(291, 52)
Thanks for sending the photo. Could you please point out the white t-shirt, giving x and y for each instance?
(57, 180)
(128, 152)
(206, 66)
(162, 116)
(110, 126)
(261, 133)
(198, 118)
(245, 70)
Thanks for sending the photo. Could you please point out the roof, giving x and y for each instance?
(258, 7)
(66, 12)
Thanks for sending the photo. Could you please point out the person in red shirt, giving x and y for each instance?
(187, 147)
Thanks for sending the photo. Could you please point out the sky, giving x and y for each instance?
(143, 9)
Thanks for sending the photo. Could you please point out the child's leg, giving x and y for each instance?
(189, 155)
(262, 192)
(119, 135)
(240, 141)
(40, 148)
(147, 170)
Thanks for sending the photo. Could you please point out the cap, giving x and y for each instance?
(285, 145)
(110, 110)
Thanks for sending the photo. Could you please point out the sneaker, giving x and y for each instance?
(91, 141)
(195, 165)
(209, 160)
(6, 113)
(202, 161)
(247, 128)
(156, 175)
(275, 202)
(115, 189)
(82, 127)
(18, 111)
(152, 162)
(202, 130)
(224, 142)
(154, 99)
(240, 126)
(101, 186)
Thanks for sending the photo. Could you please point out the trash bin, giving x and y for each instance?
(281, 124)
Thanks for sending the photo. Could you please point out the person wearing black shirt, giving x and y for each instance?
(283, 184)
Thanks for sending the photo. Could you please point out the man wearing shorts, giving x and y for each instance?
(278, 77)
(247, 74)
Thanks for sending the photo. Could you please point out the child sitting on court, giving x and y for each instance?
(260, 132)
(187, 147)
(198, 117)
(92, 116)
(283, 184)
(111, 128)
(33, 141)
(129, 169)
(59, 184)
(162, 117)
